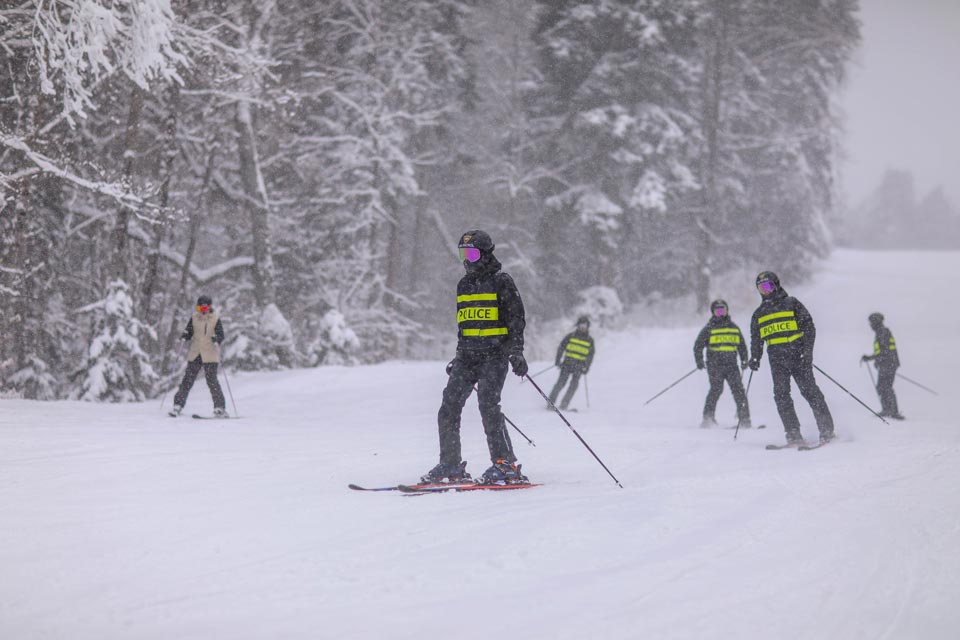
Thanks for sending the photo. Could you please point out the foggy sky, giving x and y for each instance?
(902, 100)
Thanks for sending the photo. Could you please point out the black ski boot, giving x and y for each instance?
(503, 472)
(446, 473)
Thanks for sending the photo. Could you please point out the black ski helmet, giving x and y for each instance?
(204, 300)
(768, 276)
(875, 319)
(719, 302)
(583, 320)
(477, 239)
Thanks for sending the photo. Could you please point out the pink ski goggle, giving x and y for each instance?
(470, 254)
(720, 311)
(766, 287)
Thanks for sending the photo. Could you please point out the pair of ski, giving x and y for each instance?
(441, 487)
(798, 447)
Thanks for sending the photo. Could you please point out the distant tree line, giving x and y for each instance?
(895, 217)
(311, 164)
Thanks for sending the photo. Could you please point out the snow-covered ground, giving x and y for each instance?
(117, 522)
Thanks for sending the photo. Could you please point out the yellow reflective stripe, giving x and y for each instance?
(575, 356)
(795, 336)
(577, 348)
(474, 297)
(499, 331)
(774, 316)
(579, 341)
(722, 349)
(725, 331)
(468, 314)
(725, 339)
(778, 327)
(876, 348)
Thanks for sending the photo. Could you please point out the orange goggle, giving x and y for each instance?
(203, 308)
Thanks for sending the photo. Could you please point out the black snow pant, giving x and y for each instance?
(888, 399)
(782, 369)
(729, 372)
(572, 372)
(488, 371)
(190, 376)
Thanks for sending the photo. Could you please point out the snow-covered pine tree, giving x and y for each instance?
(117, 369)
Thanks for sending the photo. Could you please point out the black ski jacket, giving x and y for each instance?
(785, 325)
(490, 315)
(579, 354)
(722, 339)
(884, 349)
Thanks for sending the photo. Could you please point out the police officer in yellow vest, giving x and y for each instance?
(723, 341)
(787, 328)
(490, 321)
(887, 361)
(574, 357)
(205, 333)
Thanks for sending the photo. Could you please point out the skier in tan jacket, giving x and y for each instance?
(205, 333)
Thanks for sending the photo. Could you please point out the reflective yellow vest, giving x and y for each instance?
(724, 339)
(478, 315)
(779, 328)
(577, 349)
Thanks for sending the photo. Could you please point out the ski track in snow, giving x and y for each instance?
(118, 522)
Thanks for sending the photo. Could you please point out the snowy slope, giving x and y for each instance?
(117, 522)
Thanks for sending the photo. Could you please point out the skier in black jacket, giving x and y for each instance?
(490, 321)
(723, 341)
(787, 327)
(574, 357)
(887, 361)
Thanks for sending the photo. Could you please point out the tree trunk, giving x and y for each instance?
(119, 236)
(710, 162)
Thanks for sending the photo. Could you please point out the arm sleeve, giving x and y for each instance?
(218, 331)
(593, 350)
(805, 324)
(511, 308)
(188, 331)
(562, 348)
(700, 345)
(756, 344)
(742, 347)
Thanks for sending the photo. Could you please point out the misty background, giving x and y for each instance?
(311, 166)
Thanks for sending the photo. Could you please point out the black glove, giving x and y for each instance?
(699, 365)
(518, 363)
(215, 340)
(586, 370)
(450, 366)
(184, 336)
(754, 364)
(864, 358)
(806, 358)
(744, 365)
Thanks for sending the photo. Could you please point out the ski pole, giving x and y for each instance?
(236, 413)
(850, 394)
(570, 426)
(745, 393)
(670, 387)
(165, 393)
(539, 372)
(586, 389)
(510, 422)
(900, 375)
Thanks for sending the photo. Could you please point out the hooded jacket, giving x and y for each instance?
(722, 339)
(785, 325)
(490, 314)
